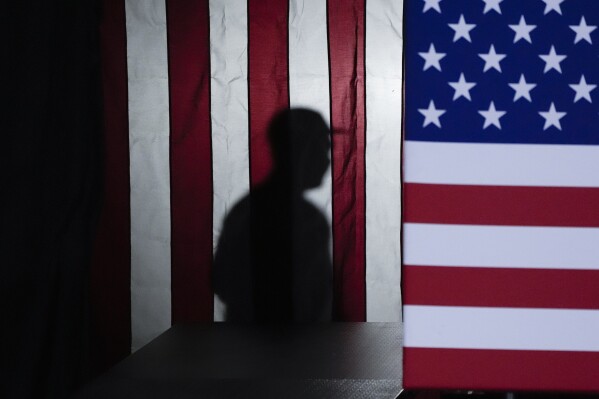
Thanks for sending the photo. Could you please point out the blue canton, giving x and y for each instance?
(502, 71)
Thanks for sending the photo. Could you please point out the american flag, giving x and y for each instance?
(501, 217)
(189, 90)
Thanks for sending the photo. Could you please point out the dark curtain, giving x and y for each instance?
(50, 195)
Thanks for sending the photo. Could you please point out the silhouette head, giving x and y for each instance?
(300, 144)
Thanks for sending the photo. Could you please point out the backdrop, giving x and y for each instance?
(500, 218)
(190, 89)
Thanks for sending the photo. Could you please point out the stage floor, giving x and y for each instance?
(224, 360)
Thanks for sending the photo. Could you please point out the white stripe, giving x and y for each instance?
(501, 328)
(502, 164)
(229, 104)
(501, 246)
(309, 76)
(309, 82)
(147, 71)
(308, 57)
(384, 48)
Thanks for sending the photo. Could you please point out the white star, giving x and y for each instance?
(522, 30)
(522, 89)
(462, 29)
(553, 5)
(462, 88)
(583, 31)
(432, 4)
(552, 60)
(583, 90)
(431, 115)
(552, 118)
(492, 116)
(492, 59)
(492, 5)
(432, 58)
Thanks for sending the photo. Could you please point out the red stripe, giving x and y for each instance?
(190, 160)
(501, 205)
(111, 262)
(346, 22)
(500, 369)
(268, 86)
(500, 287)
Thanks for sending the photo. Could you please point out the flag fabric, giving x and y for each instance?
(189, 90)
(501, 216)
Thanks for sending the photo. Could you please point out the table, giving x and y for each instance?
(225, 360)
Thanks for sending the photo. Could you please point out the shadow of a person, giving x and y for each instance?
(272, 262)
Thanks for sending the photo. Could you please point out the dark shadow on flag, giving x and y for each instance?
(272, 262)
